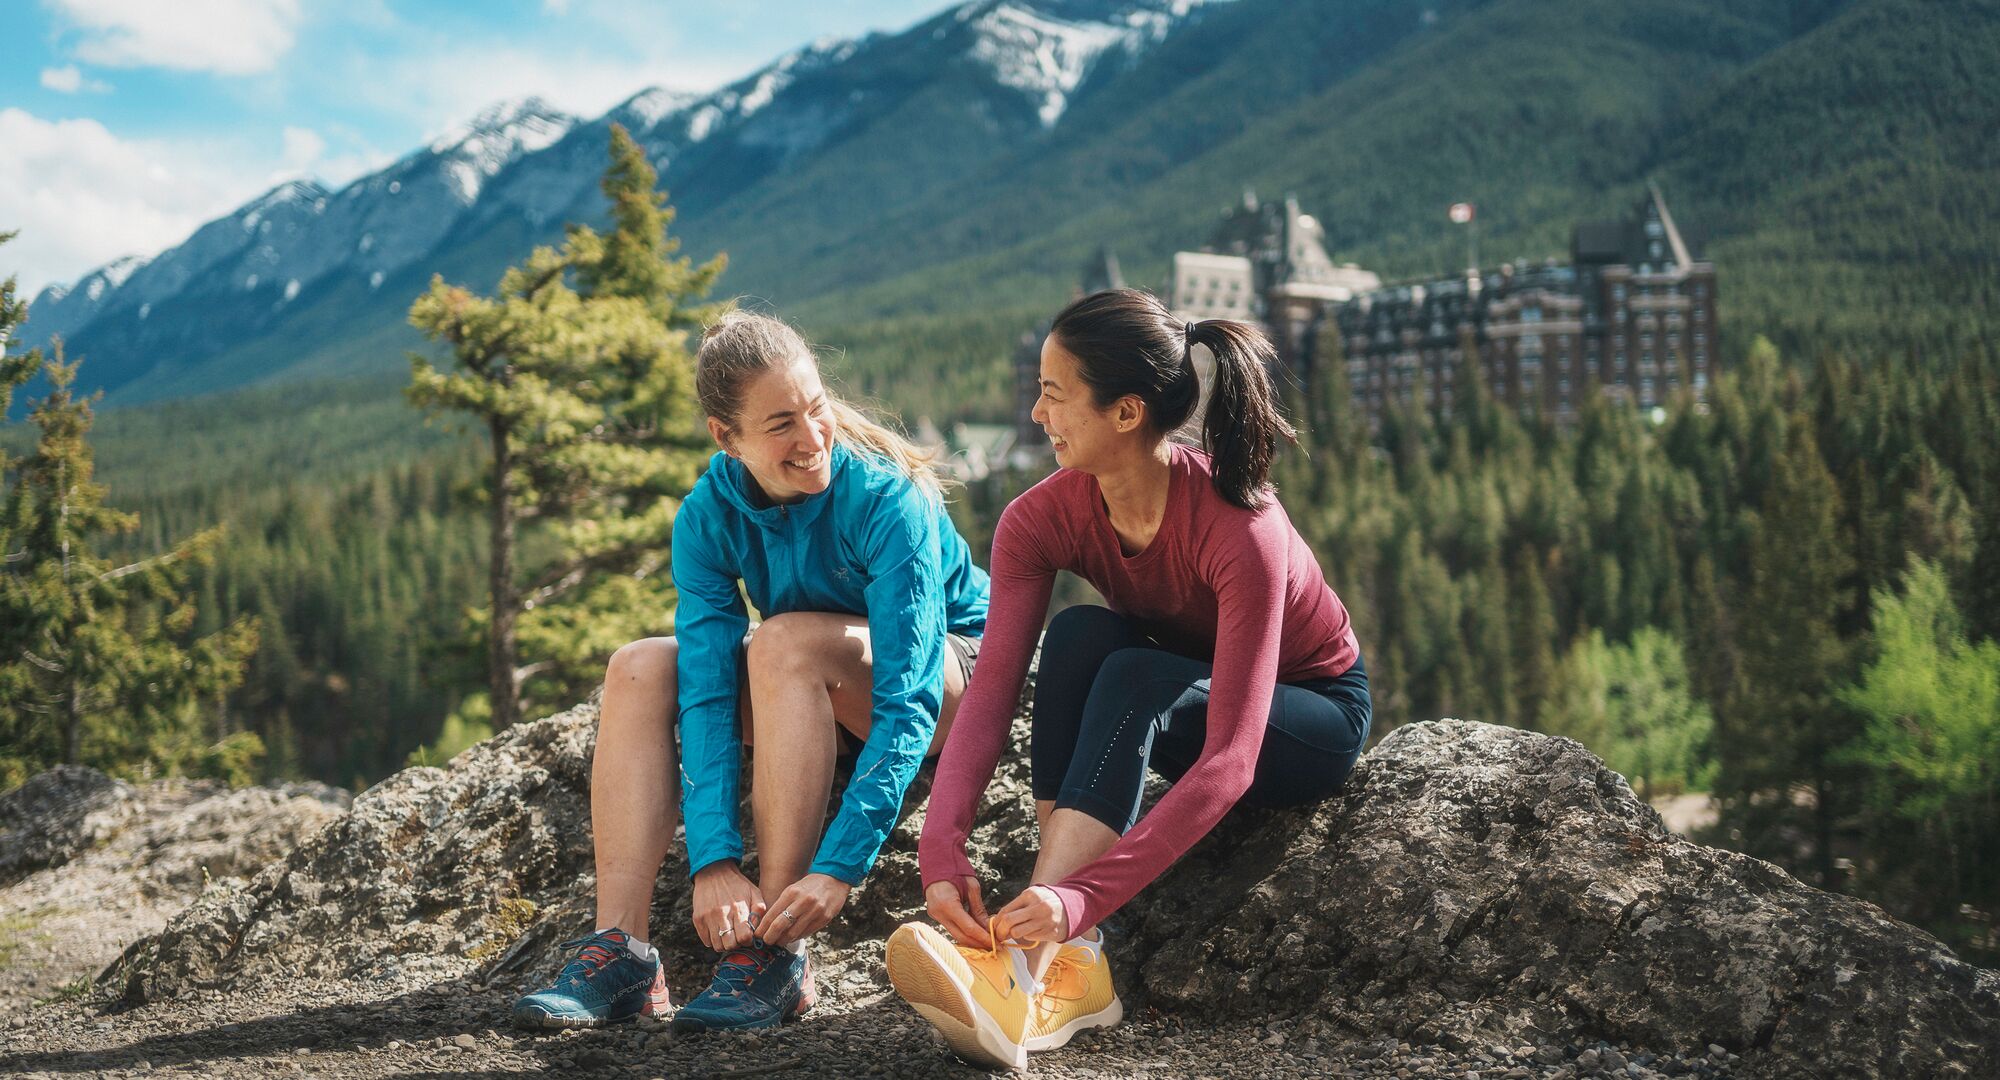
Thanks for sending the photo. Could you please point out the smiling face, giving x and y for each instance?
(783, 434)
(1084, 436)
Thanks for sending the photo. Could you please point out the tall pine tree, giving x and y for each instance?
(1784, 721)
(586, 395)
(102, 664)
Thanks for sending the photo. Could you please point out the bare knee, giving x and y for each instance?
(781, 646)
(641, 670)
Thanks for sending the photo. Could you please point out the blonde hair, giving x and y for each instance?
(743, 344)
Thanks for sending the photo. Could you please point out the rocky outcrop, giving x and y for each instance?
(58, 814)
(91, 863)
(1474, 885)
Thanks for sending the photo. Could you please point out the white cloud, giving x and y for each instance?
(230, 37)
(81, 196)
(445, 88)
(304, 154)
(69, 80)
(303, 146)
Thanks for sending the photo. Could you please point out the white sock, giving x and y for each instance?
(1092, 943)
(797, 948)
(641, 949)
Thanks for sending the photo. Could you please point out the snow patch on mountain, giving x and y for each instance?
(647, 108)
(1046, 50)
(111, 275)
(494, 139)
(743, 99)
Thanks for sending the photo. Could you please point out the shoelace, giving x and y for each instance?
(1064, 969)
(739, 969)
(595, 951)
(1058, 964)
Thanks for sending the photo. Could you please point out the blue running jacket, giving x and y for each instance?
(872, 544)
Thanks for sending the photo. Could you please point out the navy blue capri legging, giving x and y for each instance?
(1109, 702)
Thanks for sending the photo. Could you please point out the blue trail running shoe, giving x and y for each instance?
(604, 983)
(755, 987)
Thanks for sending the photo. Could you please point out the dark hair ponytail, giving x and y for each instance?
(1126, 342)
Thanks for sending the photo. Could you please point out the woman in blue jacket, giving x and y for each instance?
(872, 610)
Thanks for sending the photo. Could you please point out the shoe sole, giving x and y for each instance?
(1103, 1018)
(921, 979)
(536, 1018)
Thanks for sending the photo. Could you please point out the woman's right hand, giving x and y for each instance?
(961, 913)
(727, 906)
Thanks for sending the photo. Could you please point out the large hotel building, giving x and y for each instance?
(1631, 315)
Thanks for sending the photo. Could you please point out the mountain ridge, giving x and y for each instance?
(899, 175)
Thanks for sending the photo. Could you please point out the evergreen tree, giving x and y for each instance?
(103, 665)
(586, 395)
(1784, 721)
(1533, 636)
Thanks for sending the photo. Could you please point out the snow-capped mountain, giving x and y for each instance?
(1046, 50)
(930, 104)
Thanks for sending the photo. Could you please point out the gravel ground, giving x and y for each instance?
(397, 1027)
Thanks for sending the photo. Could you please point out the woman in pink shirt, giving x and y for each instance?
(1224, 663)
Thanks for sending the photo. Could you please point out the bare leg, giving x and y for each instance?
(634, 782)
(1070, 840)
(808, 672)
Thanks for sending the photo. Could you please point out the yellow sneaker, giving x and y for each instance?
(1076, 995)
(980, 1000)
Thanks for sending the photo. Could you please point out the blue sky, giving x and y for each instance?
(127, 123)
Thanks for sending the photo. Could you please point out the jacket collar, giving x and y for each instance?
(732, 482)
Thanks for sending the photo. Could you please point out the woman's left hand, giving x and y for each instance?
(1035, 915)
(805, 907)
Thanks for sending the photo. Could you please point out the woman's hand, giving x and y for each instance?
(1036, 915)
(726, 906)
(804, 908)
(962, 914)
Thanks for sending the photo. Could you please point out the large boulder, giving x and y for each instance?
(57, 815)
(1478, 884)
(1473, 884)
(93, 863)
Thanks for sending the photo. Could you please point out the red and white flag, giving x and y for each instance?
(1461, 212)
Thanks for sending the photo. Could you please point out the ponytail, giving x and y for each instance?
(858, 431)
(742, 344)
(1242, 424)
(1126, 342)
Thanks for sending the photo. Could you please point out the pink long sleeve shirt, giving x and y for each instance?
(1236, 587)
